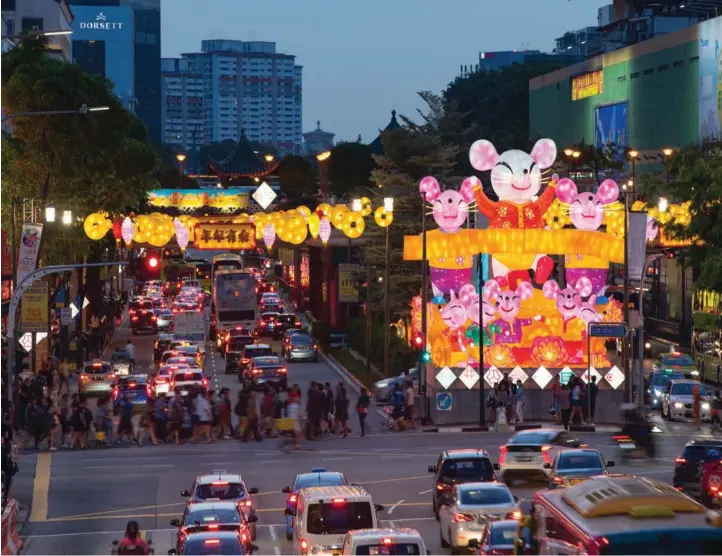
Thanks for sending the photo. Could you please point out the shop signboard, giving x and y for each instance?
(587, 85)
(35, 308)
(29, 248)
(347, 286)
(611, 131)
(225, 237)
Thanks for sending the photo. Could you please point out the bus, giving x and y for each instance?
(234, 300)
(202, 269)
(226, 261)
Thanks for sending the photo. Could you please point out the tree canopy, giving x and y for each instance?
(296, 175)
(349, 168)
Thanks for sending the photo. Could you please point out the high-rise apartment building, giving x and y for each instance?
(182, 105)
(39, 15)
(248, 88)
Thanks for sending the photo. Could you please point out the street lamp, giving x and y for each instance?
(356, 205)
(667, 152)
(67, 217)
(50, 214)
(663, 204)
(269, 157)
(84, 109)
(181, 158)
(388, 207)
(323, 171)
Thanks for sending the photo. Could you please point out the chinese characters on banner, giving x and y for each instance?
(225, 236)
(587, 85)
(35, 308)
(347, 287)
(29, 248)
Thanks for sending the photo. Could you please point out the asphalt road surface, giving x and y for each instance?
(83, 499)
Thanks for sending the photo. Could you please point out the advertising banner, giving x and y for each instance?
(7, 256)
(587, 85)
(34, 316)
(347, 287)
(228, 237)
(611, 131)
(29, 248)
(710, 79)
(637, 244)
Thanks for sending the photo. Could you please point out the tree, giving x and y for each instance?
(349, 168)
(696, 176)
(296, 176)
(169, 178)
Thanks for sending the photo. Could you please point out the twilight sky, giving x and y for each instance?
(361, 58)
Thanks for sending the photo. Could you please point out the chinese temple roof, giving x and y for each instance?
(243, 162)
(376, 145)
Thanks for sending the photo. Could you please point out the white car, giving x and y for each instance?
(677, 400)
(187, 380)
(527, 452)
(161, 381)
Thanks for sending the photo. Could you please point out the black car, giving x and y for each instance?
(268, 324)
(271, 308)
(235, 332)
(286, 321)
(162, 344)
(457, 467)
(688, 467)
(656, 382)
(268, 370)
(249, 352)
(144, 320)
(233, 361)
(213, 542)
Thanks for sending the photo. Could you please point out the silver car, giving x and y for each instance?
(300, 347)
(384, 389)
(470, 508)
(97, 378)
(165, 318)
(678, 398)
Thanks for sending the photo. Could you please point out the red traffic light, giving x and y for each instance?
(153, 262)
(418, 340)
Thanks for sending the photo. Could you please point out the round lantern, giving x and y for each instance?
(324, 230)
(96, 225)
(118, 230)
(313, 224)
(126, 231)
(353, 224)
(269, 236)
(338, 214)
(383, 217)
(324, 208)
(181, 234)
(304, 210)
(366, 206)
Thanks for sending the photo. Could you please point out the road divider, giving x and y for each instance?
(11, 541)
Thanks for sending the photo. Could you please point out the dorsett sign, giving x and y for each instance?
(101, 23)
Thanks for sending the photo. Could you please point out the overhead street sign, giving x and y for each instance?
(607, 330)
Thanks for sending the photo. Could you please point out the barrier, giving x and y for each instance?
(11, 541)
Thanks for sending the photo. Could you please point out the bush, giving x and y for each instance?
(320, 333)
(401, 356)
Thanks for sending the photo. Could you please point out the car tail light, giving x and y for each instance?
(292, 499)
(84, 378)
(283, 370)
(256, 371)
(502, 455)
(213, 526)
(680, 460)
(558, 481)
(115, 393)
(442, 486)
(387, 540)
(149, 390)
(204, 382)
(132, 385)
(338, 501)
(315, 346)
(516, 514)
(262, 323)
(244, 537)
(219, 483)
(304, 545)
(545, 453)
(249, 502)
(212, 541)
(160, 380)
(463, 518)
(134, 319)
(153, 318)
(298, 325)
(172, 384)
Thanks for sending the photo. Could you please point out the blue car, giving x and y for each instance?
(657, 380)
(136, 387)
(317, 477)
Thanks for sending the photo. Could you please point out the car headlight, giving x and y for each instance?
(647, 345)
(678, 405)
(694, 373)
(657, 394)
(705, 406)
(382, 384)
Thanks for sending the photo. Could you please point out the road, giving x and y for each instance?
(83, 499)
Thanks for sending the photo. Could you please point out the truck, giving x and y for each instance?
(190, 325)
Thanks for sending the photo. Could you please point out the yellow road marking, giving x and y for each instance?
(41, 489)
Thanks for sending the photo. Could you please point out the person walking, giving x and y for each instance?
(160, 418)
(341, 415)
(204, 415)
(696, 405)
(491, 403)
(519, 403)
(409, 400)
(576, 399)
(241, 410)
(556, 387)
(330, 407)
(397, 414)
(35, 421)
(125, 426)
(269, 410)
(130, 348)
(224, 406)
(564, 402)
(253, 414)
(103, 422)
(177, 416)
(362, 408)
(592, 391)
(81, 421)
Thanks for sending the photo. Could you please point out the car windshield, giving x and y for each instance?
(120, 356)
(202, 546)
(338, 518)
(301, 340)
(678, 360)
(485, 496)
(314, 480)
(215, 515)
(267, 362)
(531, 438)
(166, 371)
(392, 549)
(97, 369)
(662, 379)
(220, 490)
(685, 389)
(583, 461)
(502, 535)
(258, 351)
(698, 453)
(468, 469)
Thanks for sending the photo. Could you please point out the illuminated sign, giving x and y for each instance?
(101, 23)
(666, 241)
(587, 85)
(225, 236)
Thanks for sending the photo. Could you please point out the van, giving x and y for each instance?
(324, 515)
(384, 541)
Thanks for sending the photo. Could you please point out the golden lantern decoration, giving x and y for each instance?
(383, 217)
(325, 209)
(314, 225)
(353, 224)
(96, 225)
(550, 352)
(500, 355)
(304, 210)
(366, 206)
(338, 214)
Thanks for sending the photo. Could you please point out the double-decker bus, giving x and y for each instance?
(226, 261)
(234, 299)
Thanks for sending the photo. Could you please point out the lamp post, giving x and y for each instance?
(323, 171)
(568, 154)
(628, 187)
(181, 158)
(388, 207)
(84, 109)
(667, 152)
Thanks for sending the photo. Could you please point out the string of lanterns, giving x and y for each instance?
(292, 226)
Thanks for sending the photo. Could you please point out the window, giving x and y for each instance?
(90, 55)
(8, 6)
(663, 67)
(30, 23)
(634, 75)
(649, 71)
(678, 63)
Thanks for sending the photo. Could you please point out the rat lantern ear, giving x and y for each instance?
(524, 290)
(544, 153)
(566, 191)
(483, 155)
(429, 189)
(491, 290)
(468, 188)
(608, 192)
(551, 289)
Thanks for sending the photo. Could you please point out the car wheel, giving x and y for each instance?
(442, 542)
(455, 550)
(436, 510)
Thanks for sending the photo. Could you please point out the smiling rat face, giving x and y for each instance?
(450, 208)
(508, 302)
(569, 300)
(586, 210)
(454, 313)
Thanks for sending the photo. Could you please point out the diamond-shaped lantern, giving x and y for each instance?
(269, 235)
(492, 376)
(592, 372)
(264, 195)
(518, 374)
(542, 377)
(446, 377)
(614, 377)
(181, 234)
(469, 377)
(127, 231)
(324, 230)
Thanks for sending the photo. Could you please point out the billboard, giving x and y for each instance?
(611, 128)
(34, 310)
(347, 283)
(710, 79)
(587, 85)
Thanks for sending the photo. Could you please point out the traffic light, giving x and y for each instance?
(418, 341)
(425, 357)
(153, 262)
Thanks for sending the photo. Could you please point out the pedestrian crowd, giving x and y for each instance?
(507, 398)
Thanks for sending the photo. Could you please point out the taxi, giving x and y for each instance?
(120, 360)
(213, 516)
(576, 466)
(222, 486)
(97, 377)
(677, 362)
(134, 386)
(318, 477)
(162, 380)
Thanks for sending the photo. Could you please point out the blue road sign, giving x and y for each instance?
(443, 401)
(607, 330)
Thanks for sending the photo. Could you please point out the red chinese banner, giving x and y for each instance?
(231, 237)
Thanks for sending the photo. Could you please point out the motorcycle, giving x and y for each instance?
(712, 499)
(149, 542)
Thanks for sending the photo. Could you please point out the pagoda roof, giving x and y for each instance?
(377, 146)
(243, 162)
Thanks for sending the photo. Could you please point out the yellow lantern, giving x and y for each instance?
(298, 236)
(325, 208)
(383, 217)
(304, 210)
(353, 224)
(338, 214)
(366, 206)
(314, 222)
(96, 225)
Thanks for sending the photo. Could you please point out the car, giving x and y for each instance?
(195, 284)
(688, 466)
(318, 477)
(162, 380)
(134, 386)
(213, 516)
(300, 346)
(677, 401)
(144, 320)
(264, 288)
(270, 298)
(272, 308)
(526, 452)
(251, 351)
(571, 467)
(223, 486)
(190, 350)
(456, 467)
(120, 361)
(161, 345)
(157, 300)
(657, 380)
(267, 324)
(187, 380)
(232, 361)
(384, 389)
(679, 362)
(469, 507)
(290, 332)
(236, 344)
(286, 321)
(97, 377)
(498, 537)
(213, 542)
(180, 359)
(139, 305)
(268, 369)
(165, 318)
(235, 332)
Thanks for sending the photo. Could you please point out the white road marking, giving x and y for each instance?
(158, 465)
(277, 550)
(392, 508)
(398, 456)
(391, 524)
(273, 533)
(86, 533)
(386, 450)
(334, 459)
(425, 491)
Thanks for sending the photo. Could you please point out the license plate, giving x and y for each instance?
(98, 378)
(576, 481)
(523, 458)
